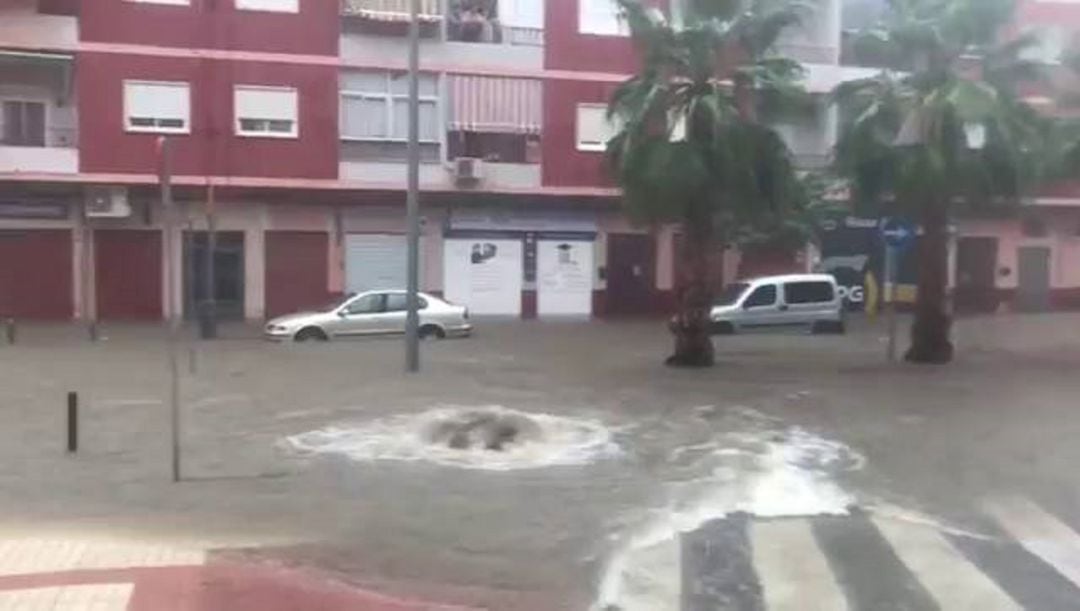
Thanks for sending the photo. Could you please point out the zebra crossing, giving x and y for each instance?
(1029, 559)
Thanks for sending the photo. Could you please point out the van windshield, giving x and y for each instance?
(731, 293)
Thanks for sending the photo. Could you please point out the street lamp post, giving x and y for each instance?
(171, 281)
(412, 200)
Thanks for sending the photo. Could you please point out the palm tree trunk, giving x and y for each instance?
(930, 332)
(692, 323)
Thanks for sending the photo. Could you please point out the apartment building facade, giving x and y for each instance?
(287, 126)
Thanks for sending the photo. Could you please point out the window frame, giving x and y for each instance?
(155, 129)
(293, 9)
(588, 147)
(46, 119)
(388, 97)
(238, 128)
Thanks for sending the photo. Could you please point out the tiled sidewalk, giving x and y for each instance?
(79, 575)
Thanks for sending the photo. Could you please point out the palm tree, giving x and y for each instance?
(943, 125)
(690, 149)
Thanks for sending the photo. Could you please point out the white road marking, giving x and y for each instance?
(1039, 532)
(953, 581)
(792, 568)
(29, 556)
(100, 597)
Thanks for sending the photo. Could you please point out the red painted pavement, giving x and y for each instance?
(227, 587)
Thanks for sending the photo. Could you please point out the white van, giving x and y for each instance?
(800, 300)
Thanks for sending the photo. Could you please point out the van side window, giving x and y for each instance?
(762, 296)
(807, 292)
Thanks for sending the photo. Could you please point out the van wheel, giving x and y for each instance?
(432, 332)
(311, 334)
(723, 328)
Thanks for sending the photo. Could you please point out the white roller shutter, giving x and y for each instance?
(484, 275)
(564, 278)
(375, 262)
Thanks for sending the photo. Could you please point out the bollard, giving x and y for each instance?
(9, 328)
(72, 422)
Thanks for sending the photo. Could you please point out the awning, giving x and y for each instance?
(390, 10)
(495, 105)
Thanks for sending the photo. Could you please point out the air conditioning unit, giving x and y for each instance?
(468, 170)
(107, 202)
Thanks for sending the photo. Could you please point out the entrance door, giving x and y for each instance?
(228, 264)
(297, 268)
(128, 274)
(976, 266)
(630, 264)
(1033, 292)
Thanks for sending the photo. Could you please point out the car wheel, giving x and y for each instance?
(432, 332)
(311, 334)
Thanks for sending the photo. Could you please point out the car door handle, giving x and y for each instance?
(783, 308)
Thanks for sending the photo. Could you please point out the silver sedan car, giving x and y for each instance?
(371, 313)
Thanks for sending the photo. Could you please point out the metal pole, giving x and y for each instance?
(412, 200)
(171, 270)
(208, 309)
(890, 299)
(72, 422)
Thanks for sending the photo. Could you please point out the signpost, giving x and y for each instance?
(897, 235)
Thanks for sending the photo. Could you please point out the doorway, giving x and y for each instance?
(976, 271)
(631, 261)
(1033, 292)
(228, 264)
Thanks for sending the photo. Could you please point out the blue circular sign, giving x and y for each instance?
(897, 233)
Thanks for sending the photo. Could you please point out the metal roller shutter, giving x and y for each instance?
(375, 262)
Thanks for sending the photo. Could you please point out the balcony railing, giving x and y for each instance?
(52, 137)
(391, 10)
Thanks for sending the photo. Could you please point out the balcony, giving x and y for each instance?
(374, 33)
(55, 153)
(489, 139)
(37, 113)
(22, 26)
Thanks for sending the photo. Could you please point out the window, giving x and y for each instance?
(372, 303)
(601, 17)
(762, 296)
(157, 107)
(22, 123)
(266, 111)
(796, 293)
(277, 6)
(593, 127)
(375, 106)
(398, 302)
(174, 2)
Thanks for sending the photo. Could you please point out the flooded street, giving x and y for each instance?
(504, 478)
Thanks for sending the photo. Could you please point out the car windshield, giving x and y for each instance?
(731, 293)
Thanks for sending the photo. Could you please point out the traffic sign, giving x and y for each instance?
(897, 233)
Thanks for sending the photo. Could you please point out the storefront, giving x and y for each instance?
(518, 263)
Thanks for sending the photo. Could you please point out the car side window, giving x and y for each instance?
(368, 304)
(762, 296)
(796, 293)
(399, 302)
